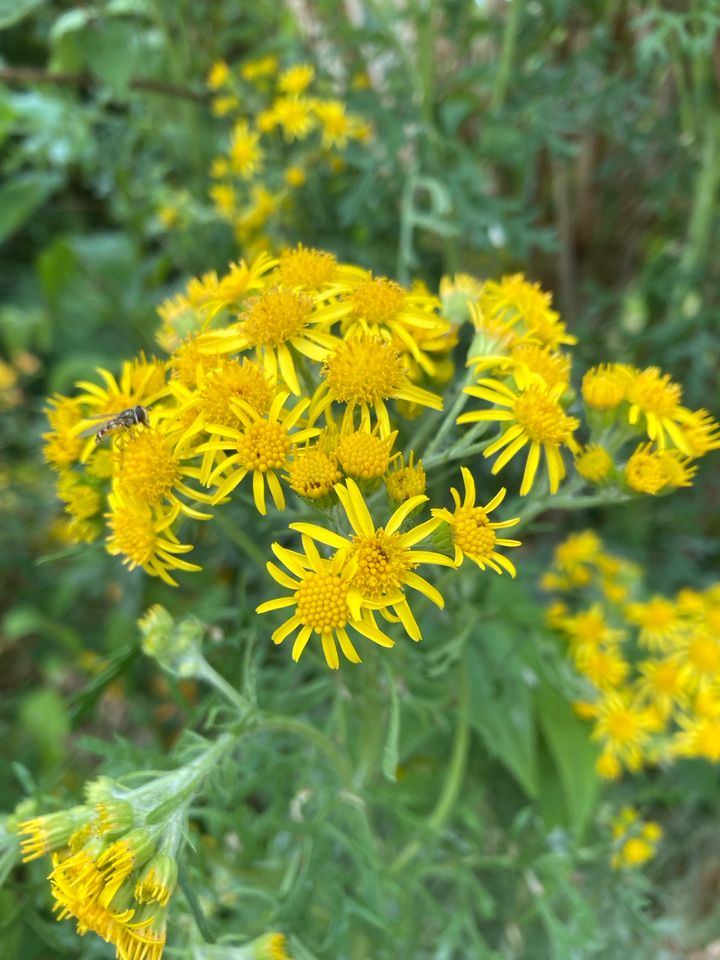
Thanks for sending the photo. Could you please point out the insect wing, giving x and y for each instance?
(91, 431)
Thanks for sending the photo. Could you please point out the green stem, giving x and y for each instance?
(567, 501)
(507, 53)
(453, 780)
(461, 398)
(233, 696)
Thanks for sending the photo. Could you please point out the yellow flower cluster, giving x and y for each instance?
(112, 872)
(634, 841)
(281, 130)
(523, 372)
(286, 376)
(652, 665)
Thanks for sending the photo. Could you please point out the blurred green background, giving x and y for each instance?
(578, 143)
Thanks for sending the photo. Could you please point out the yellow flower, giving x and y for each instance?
(314, 472)
(515, 301)
(664, 683)
(296, 79)
(624, 727)
(404, 482)
(295, 176)
(224, 198)
(246, 154)
(364, 372)
(382, 559)
(473, 534)
(294, 115)
(594, 463)
(221, 106)
(263, 447)
(219, 168)
(701, 433)
(84, 503)
(141, 382)
(699, 737)
(536, 418)
(654, 397)
(364, 454)
(316, 270)
(144, 539)
(335, 124)
(606, 386)
(588, 632)
(63, 446)
(150, 470)
(325, 602)
(262, 67)
(605, 669)
(380, 307)
(275, 323)
(219, 75)
(660, 624)
(653, 471)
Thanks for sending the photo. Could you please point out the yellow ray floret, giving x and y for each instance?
(383, 557)
(325, 603)
(535, 418)
(473, 533)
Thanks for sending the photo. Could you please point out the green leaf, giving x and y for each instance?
(21, 197)
(12, 11)
(392, 738)
(568, 742)
(44, 717)
(502, 710)
(112, 52)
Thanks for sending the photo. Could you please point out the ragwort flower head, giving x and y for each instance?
(63, 446)
(536, 419)
(313, 473)
(383, 560)
(112, 872)
(307, 269)
(141, 382)
(656, 471)
(276, 322)
(473, 533)
(262, 447)
(403, 482)
(606, 386)
(514, 300)
(594, 463)
(365, 372)
(144, 538)
(326, 603)
(654, 398)
(364, 454)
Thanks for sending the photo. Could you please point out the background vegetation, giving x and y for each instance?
(578, 143)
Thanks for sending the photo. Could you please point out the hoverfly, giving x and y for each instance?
(126, 418)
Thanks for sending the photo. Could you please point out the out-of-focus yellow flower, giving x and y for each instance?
(221, 106)
(594, 463)
(606, 386)
(262, 67)
(655, 399)
(296, 79)
(516, 302)
(655, 471)
(219, 75)
(246, 154)
(145, 539)
(635, 841)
